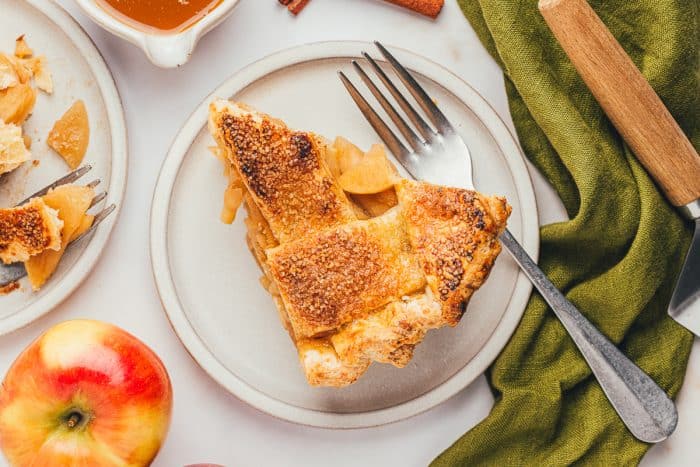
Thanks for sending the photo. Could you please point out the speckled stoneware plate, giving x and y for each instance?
(79, 72)
(208, 280)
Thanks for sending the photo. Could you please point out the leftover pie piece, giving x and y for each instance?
(16, 103)
(70, 135)
(356, 278)
(13, 71)
(22, 50)
(41, 73)
(17, 100)
(22, 68)
(13, 149)
(17, 97)
(71, 202)
(38, 232)
(8, 75)
(28, 230)
(27, 65)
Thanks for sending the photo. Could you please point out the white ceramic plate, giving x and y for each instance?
(208, 280)
(79, 72)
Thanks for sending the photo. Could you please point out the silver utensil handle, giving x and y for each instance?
(10, 273)
(642, 405)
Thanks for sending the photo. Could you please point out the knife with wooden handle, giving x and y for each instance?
(645, 124)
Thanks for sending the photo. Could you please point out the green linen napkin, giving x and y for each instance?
(618, 256)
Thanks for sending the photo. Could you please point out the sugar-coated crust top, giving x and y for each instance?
(282, 169)
(28, 230)
(454, 232)
(344, 273)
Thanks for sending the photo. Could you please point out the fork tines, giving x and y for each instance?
(419, 137)
(390, 139)
(65, 180)
(99, 217)
(73, 177)
(434, 114)
(13, 272)
(417, 91)
(414, 116)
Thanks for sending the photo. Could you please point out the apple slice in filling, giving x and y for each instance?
(72, 203)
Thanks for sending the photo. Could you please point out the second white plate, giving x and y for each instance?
(208, 280)
(79, 72)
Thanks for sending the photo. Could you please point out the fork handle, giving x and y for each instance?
(641, 404)
(10, 273)
(627, 98)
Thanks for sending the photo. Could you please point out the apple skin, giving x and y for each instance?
(85, 393)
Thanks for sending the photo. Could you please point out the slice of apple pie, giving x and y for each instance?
(38, 232)
(360, 262)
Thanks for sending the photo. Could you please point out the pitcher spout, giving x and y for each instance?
(170, 51)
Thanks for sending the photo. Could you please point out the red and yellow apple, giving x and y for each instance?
(85, 393)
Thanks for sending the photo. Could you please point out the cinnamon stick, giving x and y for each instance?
(429, 8)
(295, 6)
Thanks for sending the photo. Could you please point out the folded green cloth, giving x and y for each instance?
(618, 256)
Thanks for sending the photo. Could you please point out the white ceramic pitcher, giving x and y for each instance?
(164, 49)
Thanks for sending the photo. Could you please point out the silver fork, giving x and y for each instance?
(13, 272)
(641, 404)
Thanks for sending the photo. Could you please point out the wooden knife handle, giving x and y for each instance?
(626, 97)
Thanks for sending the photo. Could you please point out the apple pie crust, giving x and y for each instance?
(356, 277)
(28, 230)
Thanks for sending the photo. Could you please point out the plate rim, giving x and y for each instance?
(198, 350)
(114, 109)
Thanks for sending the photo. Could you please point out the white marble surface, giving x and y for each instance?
(209, 425)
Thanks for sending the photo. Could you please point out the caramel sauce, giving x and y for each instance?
(162, 15)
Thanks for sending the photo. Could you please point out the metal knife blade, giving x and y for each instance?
(685, 303)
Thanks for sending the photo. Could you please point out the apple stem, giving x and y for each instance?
(74, 419)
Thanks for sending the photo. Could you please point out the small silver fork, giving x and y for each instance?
(10, 273)
(441, 155)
